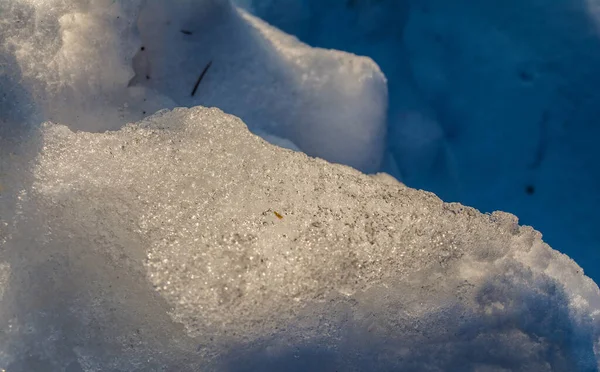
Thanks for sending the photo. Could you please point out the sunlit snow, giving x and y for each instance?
(139, 235)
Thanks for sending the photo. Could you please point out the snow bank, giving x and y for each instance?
(184, 242)
(98, 65)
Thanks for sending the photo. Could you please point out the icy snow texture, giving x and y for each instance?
(96, 65)
(507, 90)
(187, 243)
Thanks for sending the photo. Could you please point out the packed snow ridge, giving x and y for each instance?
(179, 240)
(185, 242)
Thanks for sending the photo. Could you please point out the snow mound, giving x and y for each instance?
(184, 242)
(99, 65)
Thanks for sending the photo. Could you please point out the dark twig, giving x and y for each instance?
(186, 32)
(200, 78)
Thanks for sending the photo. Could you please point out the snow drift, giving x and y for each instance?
(185, 242)
(99, 65)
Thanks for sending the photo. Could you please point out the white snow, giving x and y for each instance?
(185, 242)
(99, 65)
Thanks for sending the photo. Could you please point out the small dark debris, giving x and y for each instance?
(147, 77)
(530, 190)
(143, 112)
(143, 48)
(186, 32)
(526, 76)
(200, 78)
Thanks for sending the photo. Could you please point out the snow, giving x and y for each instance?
(136, 234)
(185, 242)
(505, 96)
(99, 65)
